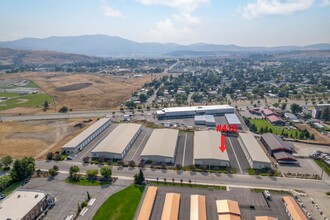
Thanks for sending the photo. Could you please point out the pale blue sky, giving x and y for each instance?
(240, 22)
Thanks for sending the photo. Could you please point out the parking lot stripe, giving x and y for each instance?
(137, 149)
(239, 166)
(184, 149)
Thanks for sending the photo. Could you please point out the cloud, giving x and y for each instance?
(166, 32)
(187, 19)
(275, 7)
(110, 12)
(325, 3)
(182, 5)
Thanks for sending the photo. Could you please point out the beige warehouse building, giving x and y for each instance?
(253, 151)
(118, 142)
(161, 146)
(206, 149)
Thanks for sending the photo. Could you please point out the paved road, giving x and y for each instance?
(205, 178)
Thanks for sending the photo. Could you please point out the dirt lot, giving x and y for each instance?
(85, 91)
(320, 138)
(36, 138)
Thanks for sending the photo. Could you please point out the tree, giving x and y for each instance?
(131, 163)
(261, 131)
(55, 167)
(139, 178)
(73, 171)
(92, 174)
(143, 98)
(5, 180)
(38, 171)
(64, 109)
(88, 196)
(295, 108)
(52, 172)
(86, 159)
(283, 106)
(197, 97)
(49, 156)
(46, 105)
(6, 161)
(22, 168)
(106, 172)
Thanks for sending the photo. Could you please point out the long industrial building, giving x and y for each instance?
(171, 206)
(161, 146)
(197, 207)
(118, 142)
(206, 149)
(292, 209)
(85, 137)
(148, 203)
(191, 111)
(254, 153)
(24, 205)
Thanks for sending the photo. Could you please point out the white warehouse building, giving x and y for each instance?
(118, 142)
(206, 149)
(161, 146)
(191, 111)
(232, 119)
(85, 137)
(253, 151)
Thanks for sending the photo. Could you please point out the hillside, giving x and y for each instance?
(23, 57)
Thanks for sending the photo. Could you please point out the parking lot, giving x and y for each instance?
(67, 196)
(251, 203)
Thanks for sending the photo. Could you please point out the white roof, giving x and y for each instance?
(162, 142)
(86, 133)
(206, 146)
(196, 108)
(19, 203)
(255, 150)
(232, 119)
(118, 139)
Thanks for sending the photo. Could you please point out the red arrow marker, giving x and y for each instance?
(222, 143)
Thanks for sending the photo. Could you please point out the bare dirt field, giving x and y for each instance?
(320, 138)
(85, 91)
(36, 138)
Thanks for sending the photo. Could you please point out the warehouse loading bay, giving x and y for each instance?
(184, 151)
(251, 204)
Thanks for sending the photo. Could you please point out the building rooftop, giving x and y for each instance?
(197, 207)
(118, 139)
(196, 108)
(255, 150)
(206, 146)
(232, 119)
(148, 203)
(267, 112)
(171, 206)
(228, 207)
(19, 203)
(293, 208)
(282, 155)
(275, 142)
(86, 133)
(274, 118)
(228, 217)
(265, 218)
(162, 142)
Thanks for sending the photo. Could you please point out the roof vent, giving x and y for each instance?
(18, 196)
(36, 196)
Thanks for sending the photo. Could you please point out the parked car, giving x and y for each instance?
(69, 158)
(267, 195)
(2, 196)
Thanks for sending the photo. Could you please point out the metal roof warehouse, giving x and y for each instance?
(161, 146)
(86, 136)
(254, 153)
(118, 142)
(232, 119)
(206, 149)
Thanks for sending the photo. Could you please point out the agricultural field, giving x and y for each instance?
(35, 138)
(85, 91)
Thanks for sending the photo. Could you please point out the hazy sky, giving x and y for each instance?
(241, 22)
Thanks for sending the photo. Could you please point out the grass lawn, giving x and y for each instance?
(192, 185)
(121, 206)
(11, 187)
(271, 191)
(28, 100)
(323, 166)
(85, 182)
(276, 129)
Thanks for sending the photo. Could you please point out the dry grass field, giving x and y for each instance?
(36, 138)
(85, 91)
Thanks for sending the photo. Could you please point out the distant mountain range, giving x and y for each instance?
(109, 46)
